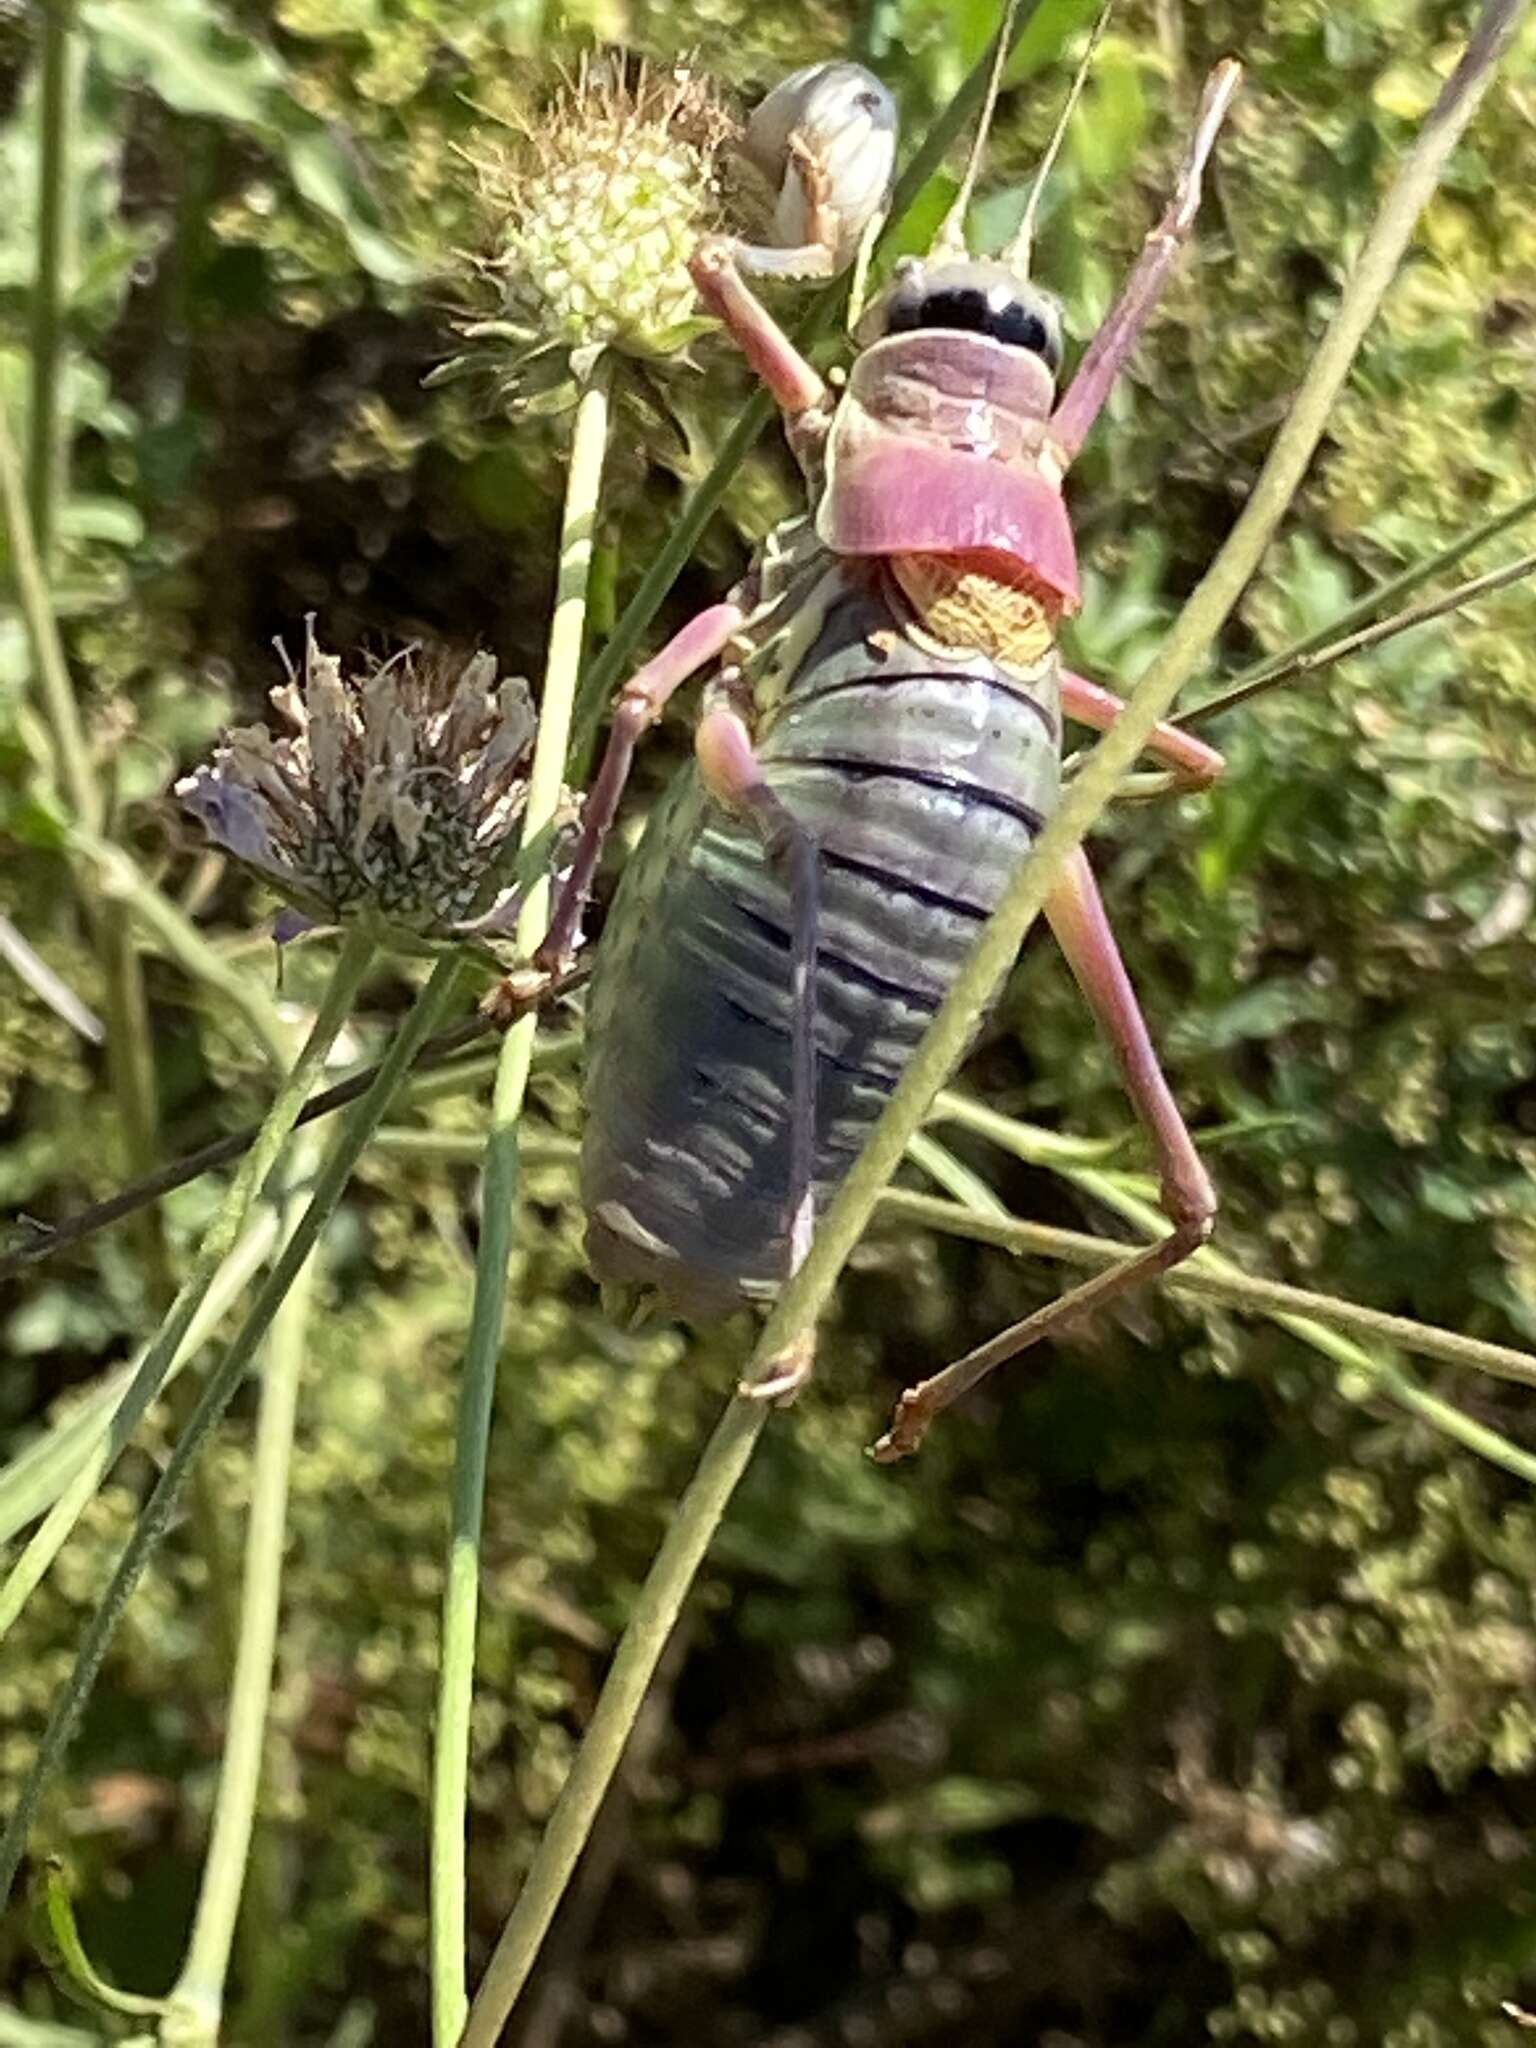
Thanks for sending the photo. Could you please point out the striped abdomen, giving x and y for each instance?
(923, 778)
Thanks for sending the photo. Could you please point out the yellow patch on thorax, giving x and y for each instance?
(962, 607)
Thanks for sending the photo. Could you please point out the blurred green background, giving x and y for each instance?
(1182, 1690)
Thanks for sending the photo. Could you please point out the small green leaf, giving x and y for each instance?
(190, 56)
(112, 520)
(324, 176)
(35, 820)
(63, 1952)
(953, 1806)
(1045, 35)
(187, 57)
(1106, 136)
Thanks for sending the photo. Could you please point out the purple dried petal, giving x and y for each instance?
(291, 924)
(231, 815)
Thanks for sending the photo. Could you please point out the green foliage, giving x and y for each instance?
(1180, 1690)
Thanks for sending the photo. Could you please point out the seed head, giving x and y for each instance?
(393, 794)
(590, 218)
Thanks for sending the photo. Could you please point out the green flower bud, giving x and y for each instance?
(590, 219)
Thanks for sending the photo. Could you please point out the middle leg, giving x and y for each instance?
(732, 773)
(1192, 761)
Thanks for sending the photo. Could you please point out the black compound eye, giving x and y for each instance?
(974, 311)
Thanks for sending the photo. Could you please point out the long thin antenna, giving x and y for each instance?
(950, 241)
(1018, 251)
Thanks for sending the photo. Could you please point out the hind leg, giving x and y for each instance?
(1077, 917)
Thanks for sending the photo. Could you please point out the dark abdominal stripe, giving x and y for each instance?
(996, 686)
(903, 885)
(882, 1081)
(854, 972)
(926, 778)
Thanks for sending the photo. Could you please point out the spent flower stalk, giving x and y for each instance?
(456, 1669)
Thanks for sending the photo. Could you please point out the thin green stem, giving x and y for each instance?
(66, 1956)
(219, 1238)
(1045, 1148)
(1210, 1274)
(131, 1073)
(1320, 1320)
(953, 1176)
(461, 1148)
(461, 1592)
(194, 2011)
(77, 776)
(31, 518)
(129, 1044)
(945, 1042)
(1130, 1195)
(1207, 1274)
(218, 1152)
(725, 1458)
(158, 1510)
(50, 988)
(36, 1243)
(1305, 663)
(1367, 607)
(58, 1477)
(59, 80)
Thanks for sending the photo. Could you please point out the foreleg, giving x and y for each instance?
(639, 705)
(1077, 917)
(794, 384)
(1111, 346)
(732, 773)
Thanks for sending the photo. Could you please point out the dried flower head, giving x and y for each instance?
(590, 217)
(394, 794)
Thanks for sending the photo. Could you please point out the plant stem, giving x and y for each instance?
(1367, 607)
(1304, 662)
(660, 1600)
(194, 2011)
(71, 1462)
(1316, 1318)
(219, 1238)
(60, 63)
(77, 777)
(218, 1152)
(944, 1043)
(129, 1046)
(38, 1243)
(48, 987)
(460, 1148)
(155, 1516)
(498, 1189)
(1120, 1191)
(32, 524)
